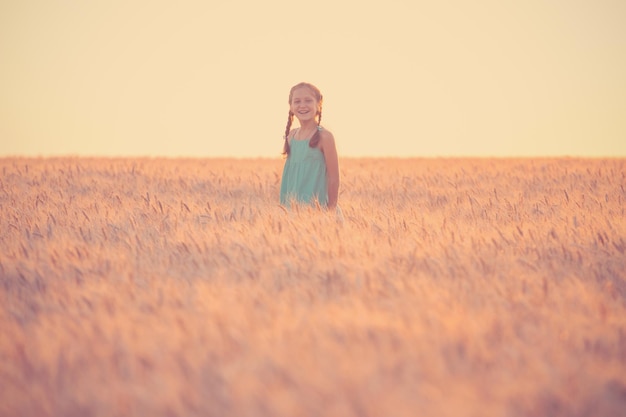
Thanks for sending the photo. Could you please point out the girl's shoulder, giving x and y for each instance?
(292, 133)
(326, 135)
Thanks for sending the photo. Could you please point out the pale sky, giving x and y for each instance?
(399, 77)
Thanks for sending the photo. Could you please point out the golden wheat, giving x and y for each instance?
(452, 287)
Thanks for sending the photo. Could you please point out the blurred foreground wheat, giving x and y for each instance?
(158, 287)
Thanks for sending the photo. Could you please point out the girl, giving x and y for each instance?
(311, 172)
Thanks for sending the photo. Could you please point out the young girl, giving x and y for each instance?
(311, 172)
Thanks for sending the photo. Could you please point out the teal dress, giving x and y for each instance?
(304, 175)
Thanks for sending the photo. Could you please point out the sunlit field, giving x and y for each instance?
(448, 287)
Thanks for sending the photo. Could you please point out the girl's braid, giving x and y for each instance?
(286, 147)
(315, 139)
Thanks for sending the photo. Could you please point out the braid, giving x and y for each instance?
(315, 139)
(286, 147)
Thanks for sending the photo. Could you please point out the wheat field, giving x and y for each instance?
(179, 287)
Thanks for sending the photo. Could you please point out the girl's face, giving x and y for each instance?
(304, 104)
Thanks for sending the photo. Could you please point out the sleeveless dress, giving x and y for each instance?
(304, 175)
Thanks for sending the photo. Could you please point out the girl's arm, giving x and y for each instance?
(329, 149)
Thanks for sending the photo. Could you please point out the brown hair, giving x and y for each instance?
(315, 139)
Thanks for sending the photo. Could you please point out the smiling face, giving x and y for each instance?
(304, 104)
